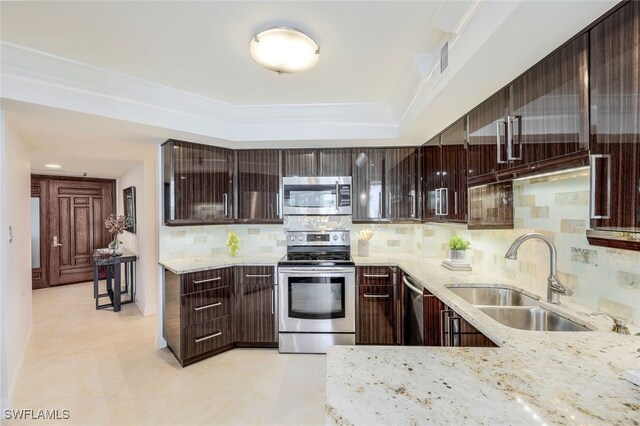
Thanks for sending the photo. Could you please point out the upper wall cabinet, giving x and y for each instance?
(615, 128)
(401, 183)
(258, 185)
(316, 162)
(197, 183)
(454, 172)
(432, 180)
(367, 183)
(539, 123)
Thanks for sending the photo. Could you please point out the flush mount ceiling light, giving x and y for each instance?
(284, 50)
(52, 166)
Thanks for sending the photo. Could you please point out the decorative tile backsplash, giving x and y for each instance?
(557, 206)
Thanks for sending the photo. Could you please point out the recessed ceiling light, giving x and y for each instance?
(52, 166)
(284, 50)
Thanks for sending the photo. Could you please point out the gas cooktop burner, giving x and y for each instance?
(339, 257)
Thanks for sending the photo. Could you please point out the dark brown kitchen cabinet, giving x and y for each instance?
(367, 183)
(444, 162)
(401, 183)
(256, 306)
(258, 185)
(299, 162)
(198, 313)
(377, 308)
(486, 147)
(491, 206)
(615, 129)
(334, 162)
(197, 184)
(549, 107)
(445, 327)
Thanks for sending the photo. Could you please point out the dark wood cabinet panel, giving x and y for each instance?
(454, 172)
(401, 183)
(376, 275)
(258, 185)
(432, 180)
(334, 162)
(615, 123)
(256, 309)
(549, 106)
(206, 280)
(483, 137)
(256, 274)
(367, 183)
(432, 317)
(491, 206)
(206, 305)
(197, 184)
(299, 162)
(376, 316)
(204, 337)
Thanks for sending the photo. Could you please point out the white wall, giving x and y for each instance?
(144, 241)
(15, 266)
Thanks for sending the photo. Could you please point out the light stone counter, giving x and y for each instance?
(532, 378)
(195, 264)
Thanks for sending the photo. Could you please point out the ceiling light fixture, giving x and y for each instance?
(284, 50)
(52, 166)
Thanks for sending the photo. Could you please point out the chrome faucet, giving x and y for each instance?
(555, 287)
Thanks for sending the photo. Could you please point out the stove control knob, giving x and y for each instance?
(344, 237)
(300, 238)
(335, 238)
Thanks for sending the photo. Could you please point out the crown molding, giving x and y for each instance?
(37, 77)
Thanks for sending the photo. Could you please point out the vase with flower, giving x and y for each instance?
(116, 224)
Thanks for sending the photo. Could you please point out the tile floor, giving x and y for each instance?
(104, 368)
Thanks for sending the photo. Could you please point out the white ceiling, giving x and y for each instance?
(203, 47)
(97, 86)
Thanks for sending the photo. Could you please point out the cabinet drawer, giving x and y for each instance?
(207, 336)
(376, 275)
(206, 280)
(376, 319)
(205, 305)
(256, 275)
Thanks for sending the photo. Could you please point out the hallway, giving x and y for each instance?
(103, 367)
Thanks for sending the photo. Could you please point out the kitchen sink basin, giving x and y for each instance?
(493, 296)
(531, 318)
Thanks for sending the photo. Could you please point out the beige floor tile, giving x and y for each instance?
(104, 368)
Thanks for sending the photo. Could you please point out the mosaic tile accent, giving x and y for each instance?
(629, 280)
(584, 256)
(572, 198)
(573, 226)
(525, 201)
(539, 212)
(253, 231)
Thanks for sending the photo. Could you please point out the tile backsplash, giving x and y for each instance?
(557, 206)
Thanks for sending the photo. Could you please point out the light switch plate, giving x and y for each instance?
(10, 234)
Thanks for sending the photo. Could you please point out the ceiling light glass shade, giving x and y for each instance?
(284, 50)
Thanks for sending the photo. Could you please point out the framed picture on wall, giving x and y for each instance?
(129, 195)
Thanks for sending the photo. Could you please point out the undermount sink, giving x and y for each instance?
(515, 309)
(531, 318)
(494, 296)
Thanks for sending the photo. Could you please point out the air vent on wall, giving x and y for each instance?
(444, 57)
(58, 173)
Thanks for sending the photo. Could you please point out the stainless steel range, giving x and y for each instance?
(317, 292)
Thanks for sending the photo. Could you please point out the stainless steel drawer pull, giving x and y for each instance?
(213, 305)
(258, 275)
(211, 336)
(376, 296)
(376, 275)
(207, 280)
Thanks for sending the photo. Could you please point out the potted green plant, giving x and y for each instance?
(458, 247)
(233, 243)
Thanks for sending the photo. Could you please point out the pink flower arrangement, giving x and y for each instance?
(117, 224)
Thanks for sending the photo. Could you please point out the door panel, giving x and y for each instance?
(334, 162)
(39, 231)
(256, 313)
(368, 183)
(401, 176)
(299, 162)
(76, 216)
(258, 185)
(454, 171)
(376, 316)
(431, 172)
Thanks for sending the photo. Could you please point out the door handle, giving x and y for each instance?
(510, 138)
(226, 209)
(55, 242)
(337, 196)
(592, 187)
(499, 151)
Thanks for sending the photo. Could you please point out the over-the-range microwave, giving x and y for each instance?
(310, 195)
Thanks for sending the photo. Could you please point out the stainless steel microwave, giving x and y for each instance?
(316, 195)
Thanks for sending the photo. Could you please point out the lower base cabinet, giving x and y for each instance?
(209, 312)
(377, 306)
(445, 327)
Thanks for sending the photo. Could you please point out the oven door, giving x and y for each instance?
(316, 196)
(317, 300)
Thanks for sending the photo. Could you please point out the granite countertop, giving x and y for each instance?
(531, 378)
(195, 264)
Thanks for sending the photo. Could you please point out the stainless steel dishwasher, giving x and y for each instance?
(414, 308)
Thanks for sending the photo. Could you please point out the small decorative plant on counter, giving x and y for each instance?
(233, 243)
(458, 246)
(116, 225)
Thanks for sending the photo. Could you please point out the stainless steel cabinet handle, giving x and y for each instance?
(257, 275)
(412, 200)
(592, 188)
(380, 196)
(211, 336)
(455, 202)
(444, 199)
(337, 196)
(498, 144)
(213, 305)
(444, 326)
(376, 296)
(207, 280)
(224, 202)
(454, 331)
(278, 204)
(55, 241)
(375, 275)
(438, 202)
(511, 139)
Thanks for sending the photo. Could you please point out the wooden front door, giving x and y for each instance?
(77, 209)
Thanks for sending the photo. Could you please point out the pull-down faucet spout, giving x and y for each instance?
(555, 287)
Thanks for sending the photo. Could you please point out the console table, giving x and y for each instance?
(113, 268)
